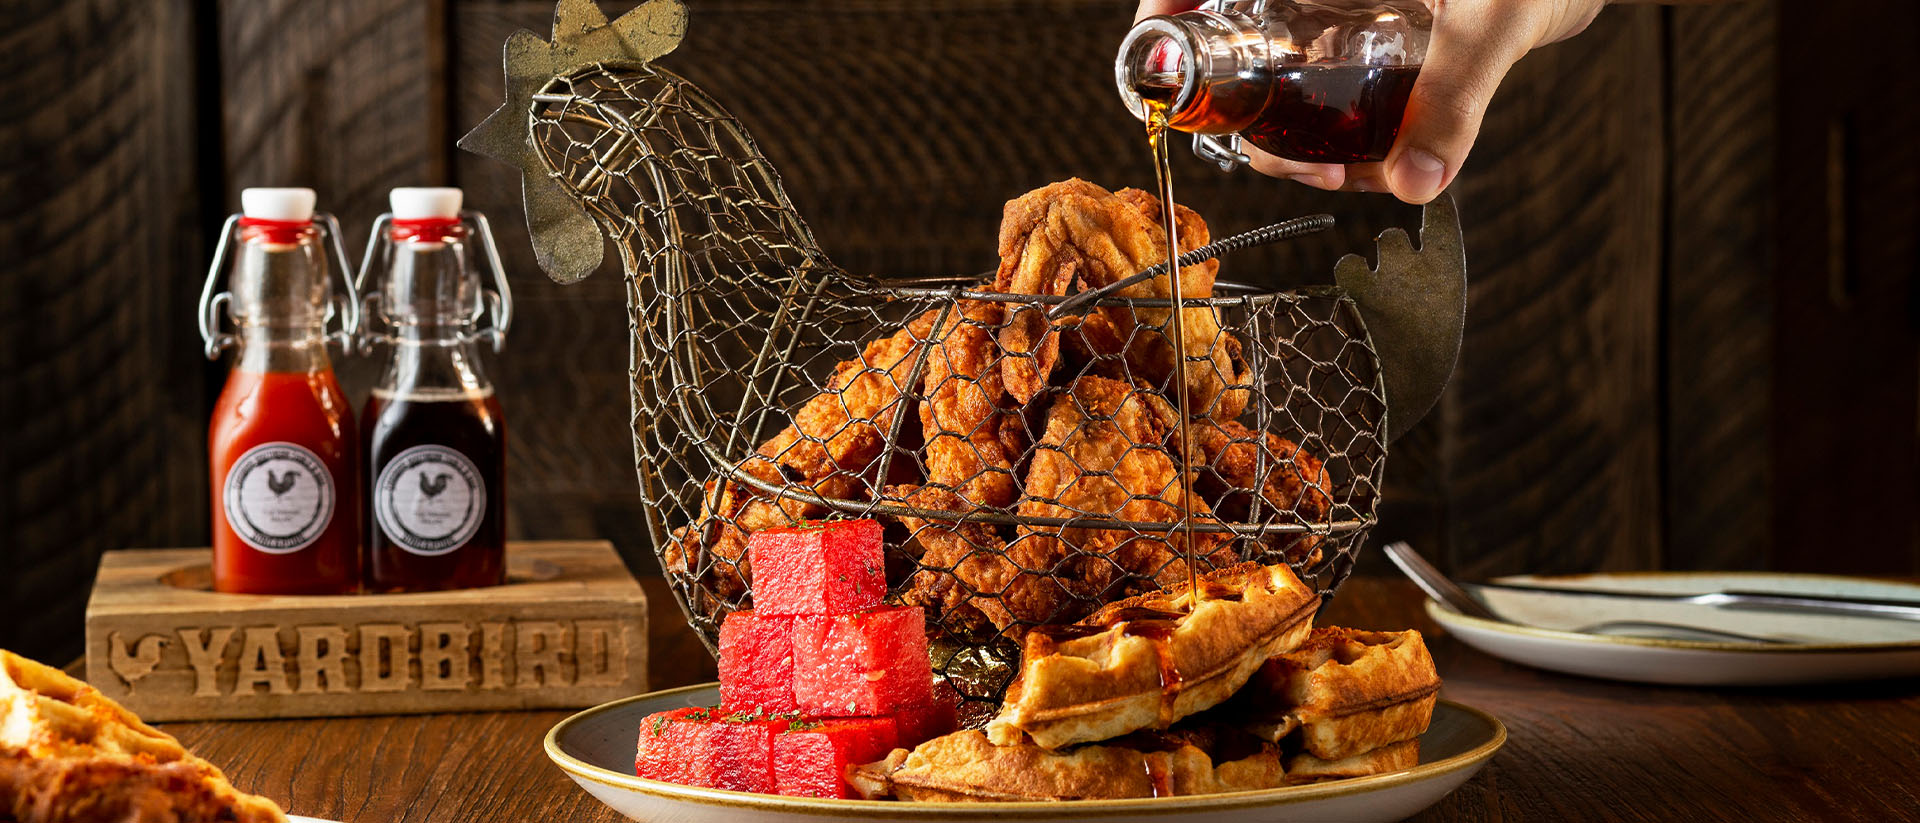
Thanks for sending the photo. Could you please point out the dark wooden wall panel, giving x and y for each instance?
(337, 96)
(1551, 426)
(1719, 287)
(101, 379)
(1847, 343)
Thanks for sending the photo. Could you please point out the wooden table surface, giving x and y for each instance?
(1578, 749)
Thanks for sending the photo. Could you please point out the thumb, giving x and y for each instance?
(1149, 8)
(1466, 60)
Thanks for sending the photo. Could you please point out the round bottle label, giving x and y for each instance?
(429, 500)
(278, 497)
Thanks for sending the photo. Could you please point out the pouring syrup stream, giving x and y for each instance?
(1157, 107)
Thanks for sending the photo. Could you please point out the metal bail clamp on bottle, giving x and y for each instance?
(435, 434)
(282, 450)
(1321, 81)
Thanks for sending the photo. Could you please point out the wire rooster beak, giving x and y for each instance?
(565, 240)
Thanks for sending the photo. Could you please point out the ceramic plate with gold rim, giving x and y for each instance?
(596, 748)
(1807, 648)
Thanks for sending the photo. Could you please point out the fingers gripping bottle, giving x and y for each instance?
(435, 437)
(1317, 81)
(281, 444)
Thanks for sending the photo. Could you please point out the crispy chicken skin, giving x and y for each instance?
(1228, 462)
(963, 566)
(1103, 455)
(972, 440)
(1075, 235)
(828, 450)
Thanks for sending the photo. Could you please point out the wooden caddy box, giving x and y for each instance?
(569, 629)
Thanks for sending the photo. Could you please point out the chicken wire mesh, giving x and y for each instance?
(1026, 471)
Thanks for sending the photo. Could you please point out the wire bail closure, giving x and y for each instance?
(216, 302)
(493, 304)
(1221, 150)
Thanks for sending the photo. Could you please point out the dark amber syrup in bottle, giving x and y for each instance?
(1333, 114)
(449, 495)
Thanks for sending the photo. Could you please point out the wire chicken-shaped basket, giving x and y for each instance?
(1027, 468)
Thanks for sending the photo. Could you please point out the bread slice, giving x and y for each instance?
(68, 753)
(1146, 662)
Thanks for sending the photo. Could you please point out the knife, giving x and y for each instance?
(1742, 600)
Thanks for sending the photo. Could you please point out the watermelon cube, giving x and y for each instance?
(676, 746)
(829, 567)
(870, 663)
(756, 663)
(810, 759)
(939, 716)
(742, 746)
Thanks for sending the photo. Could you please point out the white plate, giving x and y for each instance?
(596, 748)
(1820, 649)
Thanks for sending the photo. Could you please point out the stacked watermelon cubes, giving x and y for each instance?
(820, 675)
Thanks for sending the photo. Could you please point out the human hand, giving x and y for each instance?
(1474, 43)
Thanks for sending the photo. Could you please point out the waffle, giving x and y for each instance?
(1342, 692)
(1303, 767)
(69, 754)
(966, 766)
(1146, 662)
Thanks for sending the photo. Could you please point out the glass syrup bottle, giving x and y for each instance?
(1317, 81)
(281, 444)
(435, 435)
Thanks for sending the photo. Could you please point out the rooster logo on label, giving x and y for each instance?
(429, 500)
(279, 497)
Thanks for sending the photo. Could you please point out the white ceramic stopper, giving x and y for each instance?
(289, 204)
(425, 203)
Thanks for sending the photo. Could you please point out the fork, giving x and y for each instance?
(1448, 593)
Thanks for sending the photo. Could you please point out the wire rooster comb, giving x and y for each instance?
(564, 238)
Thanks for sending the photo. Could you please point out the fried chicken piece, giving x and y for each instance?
(1074, 235)
(963, 565)
(1103, 455)
(1204, 342)
(1228, 462)
(978, 584)
(971, 439)
(829, 449)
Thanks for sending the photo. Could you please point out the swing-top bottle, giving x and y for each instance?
(282, 450)
(435, 435)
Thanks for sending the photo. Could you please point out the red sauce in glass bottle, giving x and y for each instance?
(281, 445)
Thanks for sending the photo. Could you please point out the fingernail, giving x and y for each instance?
(1313, 180)
(1417, 175)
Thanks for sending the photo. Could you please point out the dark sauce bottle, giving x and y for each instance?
(435, 436)
(1317, 82)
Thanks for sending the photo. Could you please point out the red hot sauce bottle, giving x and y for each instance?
(435, 436)
(281, 444)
